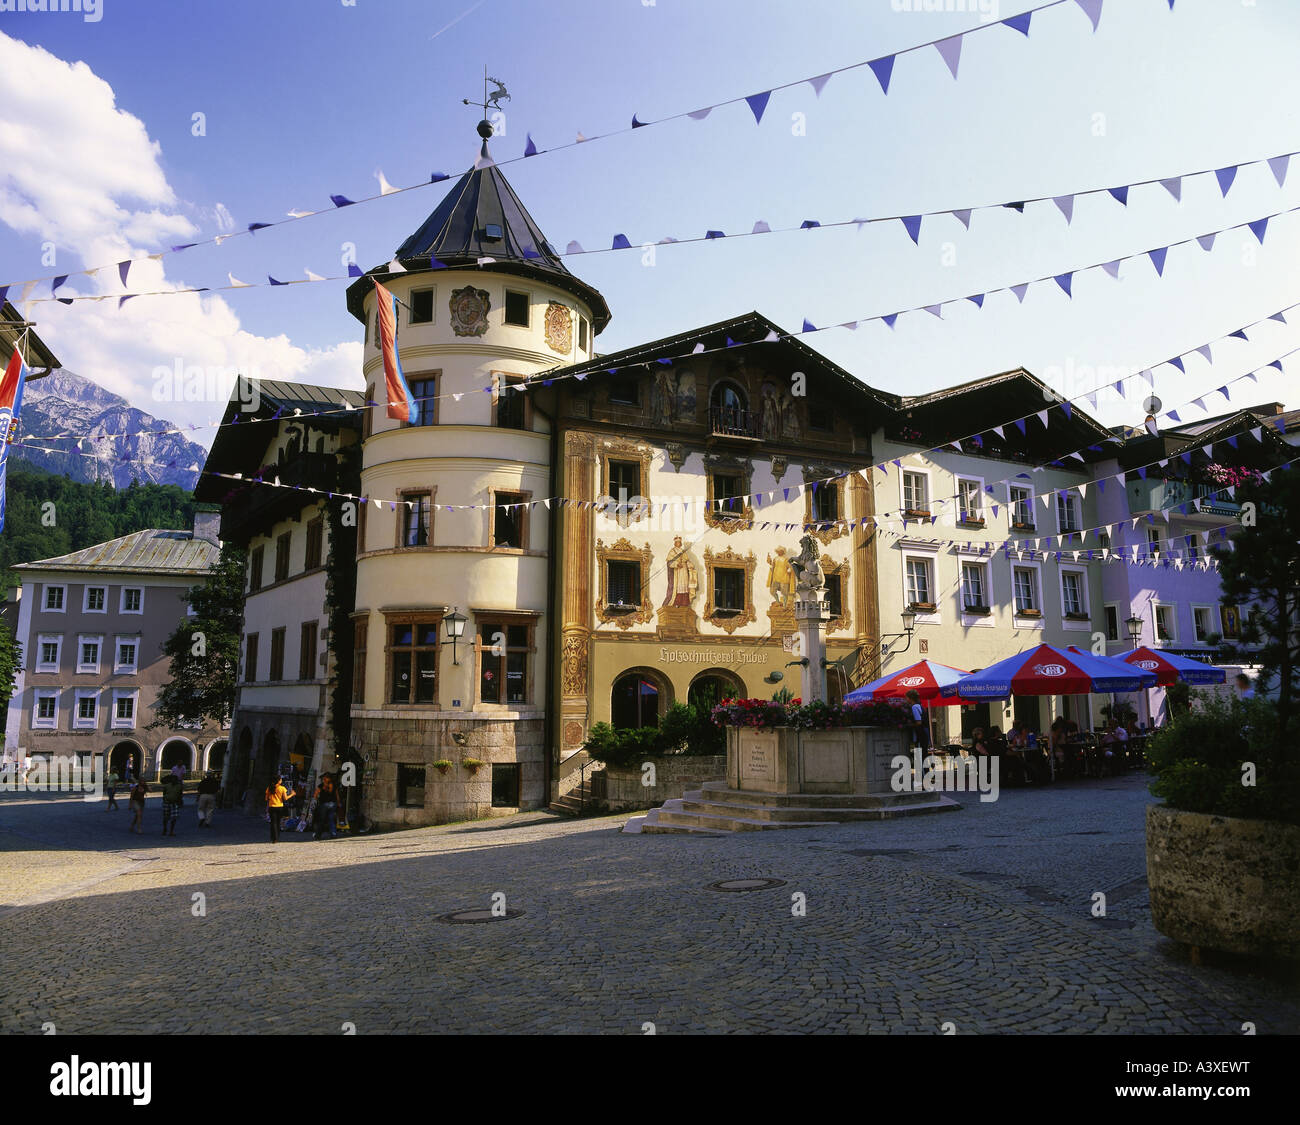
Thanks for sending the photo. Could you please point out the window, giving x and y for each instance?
(88, 653)
(517, 308)
(132, 599)
(421, 307)
(1074, 601)
(920, 587)
(624, 391)
(277, 654)
(624, 481)
(368, 418)
(973, 593)
(413, 526)
(1202, 622)
(503, 662)
(87, 712)
(728, 494)
(511, 402)
(509, 520)
(634, 701)
(584, 333)
(282, 543)
(413, 660)
(127, 657)
(1022, 508)
(1025, 583)
(1103, 540)
(826, 503)
(307, 649)
(1112, 623)
(1165, 627)
(1153, 540)
(255, 567)
(916, 493)
(360, 630)
(410, 786)
(49, 647)
(45, 710)
(728, 591)
(623, 581)
(53, 599)
(1193, 549)
(505, 785)
(124, 709)
(835, 595)
(819, 416)
(729, 412)
(250, 658)
(969, 508)
(1067, 511)
(315, 541)
(424, 392)
(96, 599)
(361, 528)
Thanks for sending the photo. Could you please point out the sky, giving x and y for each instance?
(101, 159)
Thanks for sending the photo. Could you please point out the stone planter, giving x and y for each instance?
(785, 760)
(1223, 883)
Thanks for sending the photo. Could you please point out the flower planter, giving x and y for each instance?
(1225, 883)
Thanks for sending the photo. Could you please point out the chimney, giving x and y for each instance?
(207, 525)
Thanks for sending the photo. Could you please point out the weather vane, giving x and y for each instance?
(492, 100)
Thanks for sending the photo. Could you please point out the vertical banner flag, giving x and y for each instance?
(11, 402)
(400, 403)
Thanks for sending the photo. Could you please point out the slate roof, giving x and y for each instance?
(156, 551)
(462, 229)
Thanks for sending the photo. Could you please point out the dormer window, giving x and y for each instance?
(492, 233)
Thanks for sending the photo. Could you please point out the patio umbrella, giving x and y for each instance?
(1170, 669)
(1047, 670)
(926, 678)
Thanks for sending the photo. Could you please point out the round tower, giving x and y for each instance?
(455, 538)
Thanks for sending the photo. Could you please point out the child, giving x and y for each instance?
(137, 806)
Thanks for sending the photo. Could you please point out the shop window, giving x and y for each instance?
(635, 701)
(503, 662)
(413, 661)
(505, 785)
(410, 786)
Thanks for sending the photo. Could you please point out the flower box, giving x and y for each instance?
(978, 610)
(922, 607)
(970, 523)
(1024, 527)
(1029, 613)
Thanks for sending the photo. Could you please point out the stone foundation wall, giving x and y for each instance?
(673, 776)
(456, 794)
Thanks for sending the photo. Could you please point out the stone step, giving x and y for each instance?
(718, 793)
(802, 815)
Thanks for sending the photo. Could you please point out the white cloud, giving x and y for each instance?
(60, 116)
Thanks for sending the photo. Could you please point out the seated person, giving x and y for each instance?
(978, 746)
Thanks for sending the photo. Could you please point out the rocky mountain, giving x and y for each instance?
(70, 404)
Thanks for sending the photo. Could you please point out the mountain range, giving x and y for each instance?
(65, 403)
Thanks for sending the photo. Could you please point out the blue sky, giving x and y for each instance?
(304, 98)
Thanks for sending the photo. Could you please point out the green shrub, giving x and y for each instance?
(628, 747)
(1199, 761)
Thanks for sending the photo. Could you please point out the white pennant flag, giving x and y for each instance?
(385, 188)
(237, 284)
(313, 276)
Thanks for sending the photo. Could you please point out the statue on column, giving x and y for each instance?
(810, 579)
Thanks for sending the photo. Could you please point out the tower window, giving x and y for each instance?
(421, 307)
(517, 309)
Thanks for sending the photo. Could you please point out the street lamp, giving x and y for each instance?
(909, 627)
(1134, 624)
(455, 625)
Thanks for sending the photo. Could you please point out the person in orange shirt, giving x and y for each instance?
(276, 796)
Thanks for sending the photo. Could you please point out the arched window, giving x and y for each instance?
(637, 699)
(729, 410)
(713, 686)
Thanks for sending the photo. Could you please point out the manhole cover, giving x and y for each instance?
(746, 884)
(469, 917)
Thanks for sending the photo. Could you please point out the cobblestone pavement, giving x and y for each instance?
(981, 918)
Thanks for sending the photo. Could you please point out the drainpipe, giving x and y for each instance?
(550, 719)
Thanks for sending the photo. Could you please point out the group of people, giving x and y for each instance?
(1028, 759)
(173, 798)
(325, 817)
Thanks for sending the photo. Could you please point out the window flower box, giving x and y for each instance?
(915, 514)
(1029, 613)
(1023, 527)
(1078, 617)
(922, 607)
(973, 522)
(980, 610)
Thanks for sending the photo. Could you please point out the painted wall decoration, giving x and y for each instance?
(663, 398)
(469, 309)
(683, 576)
(781, 577)
(559, 328)
(686, 396)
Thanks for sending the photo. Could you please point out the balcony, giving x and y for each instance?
(257, 506)
(726, 422)
(1155, 495)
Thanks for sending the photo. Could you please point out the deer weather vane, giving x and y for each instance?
(491, 100)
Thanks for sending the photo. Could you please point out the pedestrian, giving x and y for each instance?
(112, 792)
(173, 793)
(1245, 690)
(920, 729)
(326, 807)
(208, 798)
(136, 802)
(276, 795)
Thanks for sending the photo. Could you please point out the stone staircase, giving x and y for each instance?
(575, 800)
(715, 808)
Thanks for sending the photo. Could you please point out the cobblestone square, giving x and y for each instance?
(980, 919)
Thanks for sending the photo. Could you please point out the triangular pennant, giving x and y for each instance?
(882, 69)
(950, 49)
(963, 217)
(912, 224)
(1204, 351)
(1174, 186)
(761, 227)
(935, 310)
(1277, 165)
(1157, 257)
(977, 299)
(1120, 193)
(1020, 22)
(1020, 290)
(1066, 205)
(1206, 241)
(1257, 228)
(819, 82)
(889, 319)
(1064, 280)
(757, 104)
(1225, 176)
(1112, 268)
(700, 114)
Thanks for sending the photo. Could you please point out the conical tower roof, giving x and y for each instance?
(482, 217)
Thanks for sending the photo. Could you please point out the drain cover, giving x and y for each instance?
(746, 884)
(469, 917)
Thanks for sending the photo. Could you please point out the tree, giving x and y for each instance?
(11, 660)
(1262, 570)
(204, 649)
